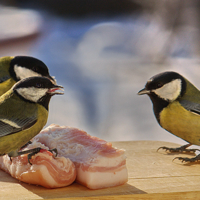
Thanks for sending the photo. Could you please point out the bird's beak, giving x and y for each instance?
(143, 91)
(54, 89)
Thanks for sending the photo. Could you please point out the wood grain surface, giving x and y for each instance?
(152, 175)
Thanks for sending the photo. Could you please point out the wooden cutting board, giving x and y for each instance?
(152, 175)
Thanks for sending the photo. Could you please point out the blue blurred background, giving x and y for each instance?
(103, 52)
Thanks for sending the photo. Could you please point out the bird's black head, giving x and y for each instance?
(167, 86)
(24, 66)
(164, 88)
(36, 90)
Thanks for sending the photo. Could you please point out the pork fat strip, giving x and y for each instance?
(45, 170)
(98, 163)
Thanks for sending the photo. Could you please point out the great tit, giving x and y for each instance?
(24, 112)
(176, 105)
(13, 69)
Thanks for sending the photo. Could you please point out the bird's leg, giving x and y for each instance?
(32, 152)
(194, 159)
(37, 150)
(181, 149)
(26, 144)
(54, 151)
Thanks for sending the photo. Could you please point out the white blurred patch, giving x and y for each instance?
(103, 48)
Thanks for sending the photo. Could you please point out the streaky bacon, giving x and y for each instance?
(93, 162)
(98, 163)
(45, 170)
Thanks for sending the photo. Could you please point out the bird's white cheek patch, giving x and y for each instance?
(169, 91)
(22, 72)
(31, 93)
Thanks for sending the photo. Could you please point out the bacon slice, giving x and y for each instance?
(45, 170)
(93, 162)
(98, 164)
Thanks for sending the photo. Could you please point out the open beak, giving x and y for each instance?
(143, 91)
(54, 90)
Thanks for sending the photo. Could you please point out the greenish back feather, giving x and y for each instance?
(4, 66)
(192, 93)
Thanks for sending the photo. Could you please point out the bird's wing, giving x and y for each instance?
(8, 127)
(14, 119)
(191, 106)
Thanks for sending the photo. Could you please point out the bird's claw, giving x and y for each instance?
(34, 151)
(167, 149)
(54, 152)
(181, 149)
(194, 159)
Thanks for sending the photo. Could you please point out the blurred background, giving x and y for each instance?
(103, 52)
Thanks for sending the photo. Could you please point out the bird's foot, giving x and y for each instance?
(194, 159)
(51, 152)
(181, 149)
(54, 151)
(32, 152)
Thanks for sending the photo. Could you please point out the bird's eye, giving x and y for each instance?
(159, 85)
(35, 69)
(38, 85)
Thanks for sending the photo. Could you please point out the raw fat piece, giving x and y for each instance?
(98, 163)
(45, 170)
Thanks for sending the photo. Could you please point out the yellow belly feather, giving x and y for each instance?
(181, 122)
